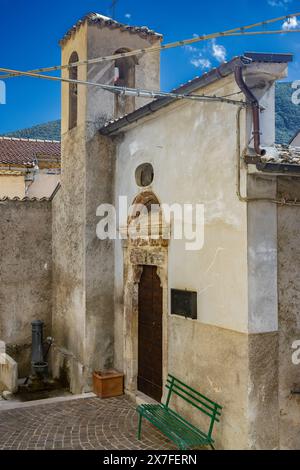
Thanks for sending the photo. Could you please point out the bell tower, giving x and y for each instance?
(97, 36)
(83, 265)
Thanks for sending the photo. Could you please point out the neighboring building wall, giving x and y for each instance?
(12, 185)
(289, 313)
(25, 275)
(18, 184)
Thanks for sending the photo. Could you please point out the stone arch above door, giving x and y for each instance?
(146, 213)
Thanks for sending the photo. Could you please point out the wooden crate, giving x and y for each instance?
(108, 383)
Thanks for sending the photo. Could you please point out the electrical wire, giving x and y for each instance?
(239, 31)
(129, 91)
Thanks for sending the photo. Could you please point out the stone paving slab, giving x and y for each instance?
(81, 424)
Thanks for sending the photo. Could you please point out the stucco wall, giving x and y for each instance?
(200, 168)
(25, 275)
(69, 263)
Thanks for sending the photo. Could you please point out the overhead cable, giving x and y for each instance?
(239, 31)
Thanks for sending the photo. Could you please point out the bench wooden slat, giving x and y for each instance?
(167, 415)
(174, 426)
(169, 379)
(214, 411)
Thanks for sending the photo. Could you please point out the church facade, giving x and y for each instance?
(221, 316)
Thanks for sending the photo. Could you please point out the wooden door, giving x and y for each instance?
(150, 334)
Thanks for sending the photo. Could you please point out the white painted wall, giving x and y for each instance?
(192, 147)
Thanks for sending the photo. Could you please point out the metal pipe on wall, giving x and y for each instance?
(253, 101)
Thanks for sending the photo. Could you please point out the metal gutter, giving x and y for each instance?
(214, 75)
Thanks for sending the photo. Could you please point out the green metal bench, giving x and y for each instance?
(175, 427)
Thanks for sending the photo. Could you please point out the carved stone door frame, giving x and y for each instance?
(136, 255)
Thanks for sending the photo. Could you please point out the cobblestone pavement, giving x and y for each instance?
(87, 423)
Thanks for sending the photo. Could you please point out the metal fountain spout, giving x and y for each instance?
(38, 364)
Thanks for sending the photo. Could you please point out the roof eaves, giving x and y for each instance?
(97, 18)
(25, 199)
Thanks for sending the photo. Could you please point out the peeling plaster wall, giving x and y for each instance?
(25, 275)
(82, 264)
(43, 184)
(289, 313)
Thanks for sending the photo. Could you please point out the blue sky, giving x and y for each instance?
(30, 31)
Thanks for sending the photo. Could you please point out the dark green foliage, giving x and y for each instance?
(287, 120)
(47, 131)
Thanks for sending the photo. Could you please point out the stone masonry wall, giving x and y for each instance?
(25, 275)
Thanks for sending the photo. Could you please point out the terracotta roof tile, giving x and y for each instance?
(26, 152)
(284, 154)
(97, 18)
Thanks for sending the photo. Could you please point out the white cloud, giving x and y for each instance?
(219, 52)
(201, 63)
(203, 58)
(192, 49)
(279, 3)
(128, 16)
(291, 23)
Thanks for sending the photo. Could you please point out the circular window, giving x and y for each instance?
(144, 174)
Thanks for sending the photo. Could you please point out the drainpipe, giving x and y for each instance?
(253, 101)
(281, 202)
